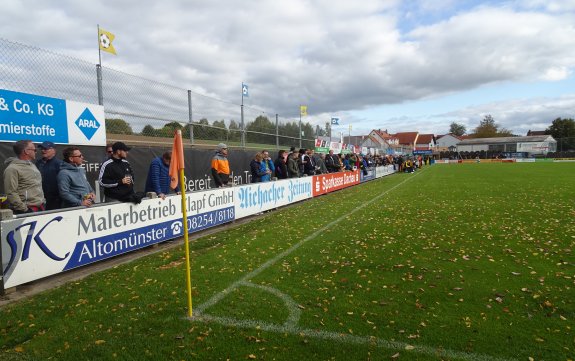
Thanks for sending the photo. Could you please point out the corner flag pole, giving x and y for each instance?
(177, 172)
(186, 241)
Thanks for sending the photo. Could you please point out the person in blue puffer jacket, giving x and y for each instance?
(158, 180)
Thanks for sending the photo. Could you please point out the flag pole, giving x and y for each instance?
(177, 173)
(99, 50)
(178, 158)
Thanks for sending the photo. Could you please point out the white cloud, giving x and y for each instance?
(334, 56)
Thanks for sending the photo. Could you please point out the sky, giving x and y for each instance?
(414, 65)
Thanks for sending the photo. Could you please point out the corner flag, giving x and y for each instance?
(177, 161)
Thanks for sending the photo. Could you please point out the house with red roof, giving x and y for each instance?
(425, 142)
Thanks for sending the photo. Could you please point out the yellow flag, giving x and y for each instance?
(303, 110)
(105, 38)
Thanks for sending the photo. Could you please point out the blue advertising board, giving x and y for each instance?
(39, 118)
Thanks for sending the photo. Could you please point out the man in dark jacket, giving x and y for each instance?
(281, 166)
(116, 176)
(49, 167)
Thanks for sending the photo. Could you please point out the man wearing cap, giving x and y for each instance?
(49, 167)
(221, 166)
(22, 180)
(116, 176)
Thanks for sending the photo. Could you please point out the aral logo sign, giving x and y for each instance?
(87, 123)
(40, 118)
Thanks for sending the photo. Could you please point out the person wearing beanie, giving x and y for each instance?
(221, 166)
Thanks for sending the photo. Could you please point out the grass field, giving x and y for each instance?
(454, 262)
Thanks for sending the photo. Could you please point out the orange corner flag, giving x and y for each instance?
(177, 161)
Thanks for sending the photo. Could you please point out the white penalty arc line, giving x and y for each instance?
(347, 338)
(290, 328)
(218, 296)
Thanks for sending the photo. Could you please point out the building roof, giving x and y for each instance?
(425, 138)
(407, 138)
(499, 140)
(383, 133)
(535, 132)
(451, 134)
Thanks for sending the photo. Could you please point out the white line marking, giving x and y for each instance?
(347, 338)
(290, 326)
(218, 296)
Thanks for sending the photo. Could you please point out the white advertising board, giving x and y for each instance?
(258, 197)
(39, 246)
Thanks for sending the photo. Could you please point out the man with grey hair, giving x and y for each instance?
(221, 166)
(23, 181)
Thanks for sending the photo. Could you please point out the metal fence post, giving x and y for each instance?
(99, 81)
(299, 136)
(277, 133)
(242, 130)
(190, 117)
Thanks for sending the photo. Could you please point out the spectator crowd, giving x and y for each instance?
(47, 182)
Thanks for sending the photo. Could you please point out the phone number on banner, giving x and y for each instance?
(210, 219)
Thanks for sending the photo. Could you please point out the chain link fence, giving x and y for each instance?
(145, 111)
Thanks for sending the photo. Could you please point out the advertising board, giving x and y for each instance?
(39, 118)
(39, 246)
(326, 183)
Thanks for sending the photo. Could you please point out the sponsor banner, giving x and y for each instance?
(39, 246)
(423, 152)
(336, 147)
(39, 118)
(367, 177)
(383, 171)
(322, 145)
(258, 197)
(525, 160)
(326, 183)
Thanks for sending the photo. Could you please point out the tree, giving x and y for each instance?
(118, 126)
(563, 130)
(221, 132)
(234, 131)
(200, 129)
(149, 131)
(169, 129)
(487, 128)
(457, 129)
(260, 125)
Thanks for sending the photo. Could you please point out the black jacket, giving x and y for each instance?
(111, 174)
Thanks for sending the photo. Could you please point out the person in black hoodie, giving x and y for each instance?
(281, 166)
(116, 176)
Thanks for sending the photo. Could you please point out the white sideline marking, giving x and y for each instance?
(290, 326)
